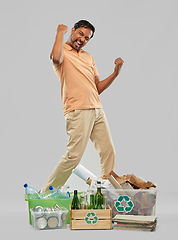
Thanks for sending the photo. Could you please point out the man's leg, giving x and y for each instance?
(79, 124)
(102, 140)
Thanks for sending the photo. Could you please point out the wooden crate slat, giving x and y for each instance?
(101, 214)
(81, 224)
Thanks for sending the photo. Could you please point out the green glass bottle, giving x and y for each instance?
(75, 201)
(98, 192)
(98, 202)
(92, 204)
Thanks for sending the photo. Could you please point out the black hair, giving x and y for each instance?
(85, 24)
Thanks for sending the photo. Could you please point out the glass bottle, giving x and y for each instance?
(98, 202)
(98, 192)
(75, 201)
(92, 204)
(105, 201)
(83, 201)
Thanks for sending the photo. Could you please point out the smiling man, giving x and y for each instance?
(83, 113)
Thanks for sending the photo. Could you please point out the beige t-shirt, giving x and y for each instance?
(77, 76)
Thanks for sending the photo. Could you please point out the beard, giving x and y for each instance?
(76, 44)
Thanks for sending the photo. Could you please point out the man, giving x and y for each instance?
(80, 89)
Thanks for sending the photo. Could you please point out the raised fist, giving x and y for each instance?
(118, 65)
(62, 28)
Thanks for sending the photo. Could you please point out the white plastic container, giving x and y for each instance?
(132, 201)
(49, 219)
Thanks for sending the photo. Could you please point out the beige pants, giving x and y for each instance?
(82, 125)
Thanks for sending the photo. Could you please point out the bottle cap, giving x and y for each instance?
(50, 188)
(25, 185)
(75, 191)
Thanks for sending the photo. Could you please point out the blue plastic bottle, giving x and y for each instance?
(31, 193)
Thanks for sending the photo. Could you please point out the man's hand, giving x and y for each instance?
(62, 28)
(102, 85)
(57, 51)
(118, 65)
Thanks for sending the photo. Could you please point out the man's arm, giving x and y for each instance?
(102, 85)
(57, 51)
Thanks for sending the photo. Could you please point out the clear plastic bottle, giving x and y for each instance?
(31, 192)
(57, 193)
(53, 193)
(65, 190)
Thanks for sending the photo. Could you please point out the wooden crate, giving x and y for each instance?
(90, 219)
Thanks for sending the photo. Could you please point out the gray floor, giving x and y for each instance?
(14, 222)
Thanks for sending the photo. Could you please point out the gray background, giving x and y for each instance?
(141, 105)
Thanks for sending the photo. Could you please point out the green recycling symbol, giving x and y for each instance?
(120, 207)
(91, 218)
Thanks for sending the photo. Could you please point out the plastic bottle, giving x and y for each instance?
(31, 193)
(57, 193)
(64, 189)
(53, 193)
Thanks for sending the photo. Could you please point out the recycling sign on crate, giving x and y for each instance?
(91, 218)
(119, 206)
